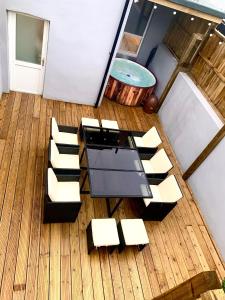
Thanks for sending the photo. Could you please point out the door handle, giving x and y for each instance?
(43, 62)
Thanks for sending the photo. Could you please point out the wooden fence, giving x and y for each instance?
(208, 70)
(181, 32)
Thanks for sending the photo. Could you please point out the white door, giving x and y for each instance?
(28, 37)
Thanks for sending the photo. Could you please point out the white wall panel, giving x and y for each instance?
(208, 186)
(162, 65)
(188, 120)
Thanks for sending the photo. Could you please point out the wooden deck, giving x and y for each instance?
(50, 261)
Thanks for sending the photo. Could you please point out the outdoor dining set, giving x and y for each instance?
(117, 164)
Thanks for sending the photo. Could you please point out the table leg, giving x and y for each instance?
(82, 154)
(111, 212)
(81, 189)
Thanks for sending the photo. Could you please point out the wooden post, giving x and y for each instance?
(193, 287)
(205, 153)
(203, 42)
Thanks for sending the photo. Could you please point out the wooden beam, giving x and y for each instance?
(186, 55)
(193, 287)
(205, 153)
(188, 10)
(203, 42)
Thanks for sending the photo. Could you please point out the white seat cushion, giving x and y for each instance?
(147, 167)
(90, 122)
(167, 191)
(68, 192)
(155, 195)
(104, 232)
(159, 163)
(52, 184)
(54, 128)
(134, 232)
(139, 141)
(54, 155)
(110, 124)
(62, 137)
(67, 161)
(62, 191)
(63, 161)
(66, 138)
(151, 138)
(170, 190)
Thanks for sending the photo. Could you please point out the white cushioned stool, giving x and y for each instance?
(88, 122)
(132, 232)
(102, 233)
(110, 124)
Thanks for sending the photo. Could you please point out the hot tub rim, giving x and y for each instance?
(133, 85)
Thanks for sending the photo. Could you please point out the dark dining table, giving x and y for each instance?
(113, 166)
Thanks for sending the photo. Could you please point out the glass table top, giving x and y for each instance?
(113, 159)
(108, 137)
(113, 164)
(113, 184)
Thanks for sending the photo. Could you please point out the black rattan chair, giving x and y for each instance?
(62, 201)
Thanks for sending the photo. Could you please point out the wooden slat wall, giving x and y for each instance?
(181, 31)
(50, 261)
(209, 71)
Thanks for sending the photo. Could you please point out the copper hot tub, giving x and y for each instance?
(129, 83)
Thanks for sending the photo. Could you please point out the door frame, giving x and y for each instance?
(112, 54)
(135, 55)
(12, 49)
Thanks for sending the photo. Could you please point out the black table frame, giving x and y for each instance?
(120, 197)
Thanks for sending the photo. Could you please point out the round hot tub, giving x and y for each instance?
(129, 83)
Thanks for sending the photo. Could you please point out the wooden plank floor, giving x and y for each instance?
(50, 261)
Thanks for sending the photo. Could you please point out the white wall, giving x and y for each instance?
(190, 124)
(162, 66)
(208, 186)
(80, 40)
(1, 88)
(188, 120)
(156, 31)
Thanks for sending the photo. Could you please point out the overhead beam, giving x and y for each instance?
(205, 153)
(188, 10)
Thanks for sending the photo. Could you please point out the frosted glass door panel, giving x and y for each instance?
(29, 39)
